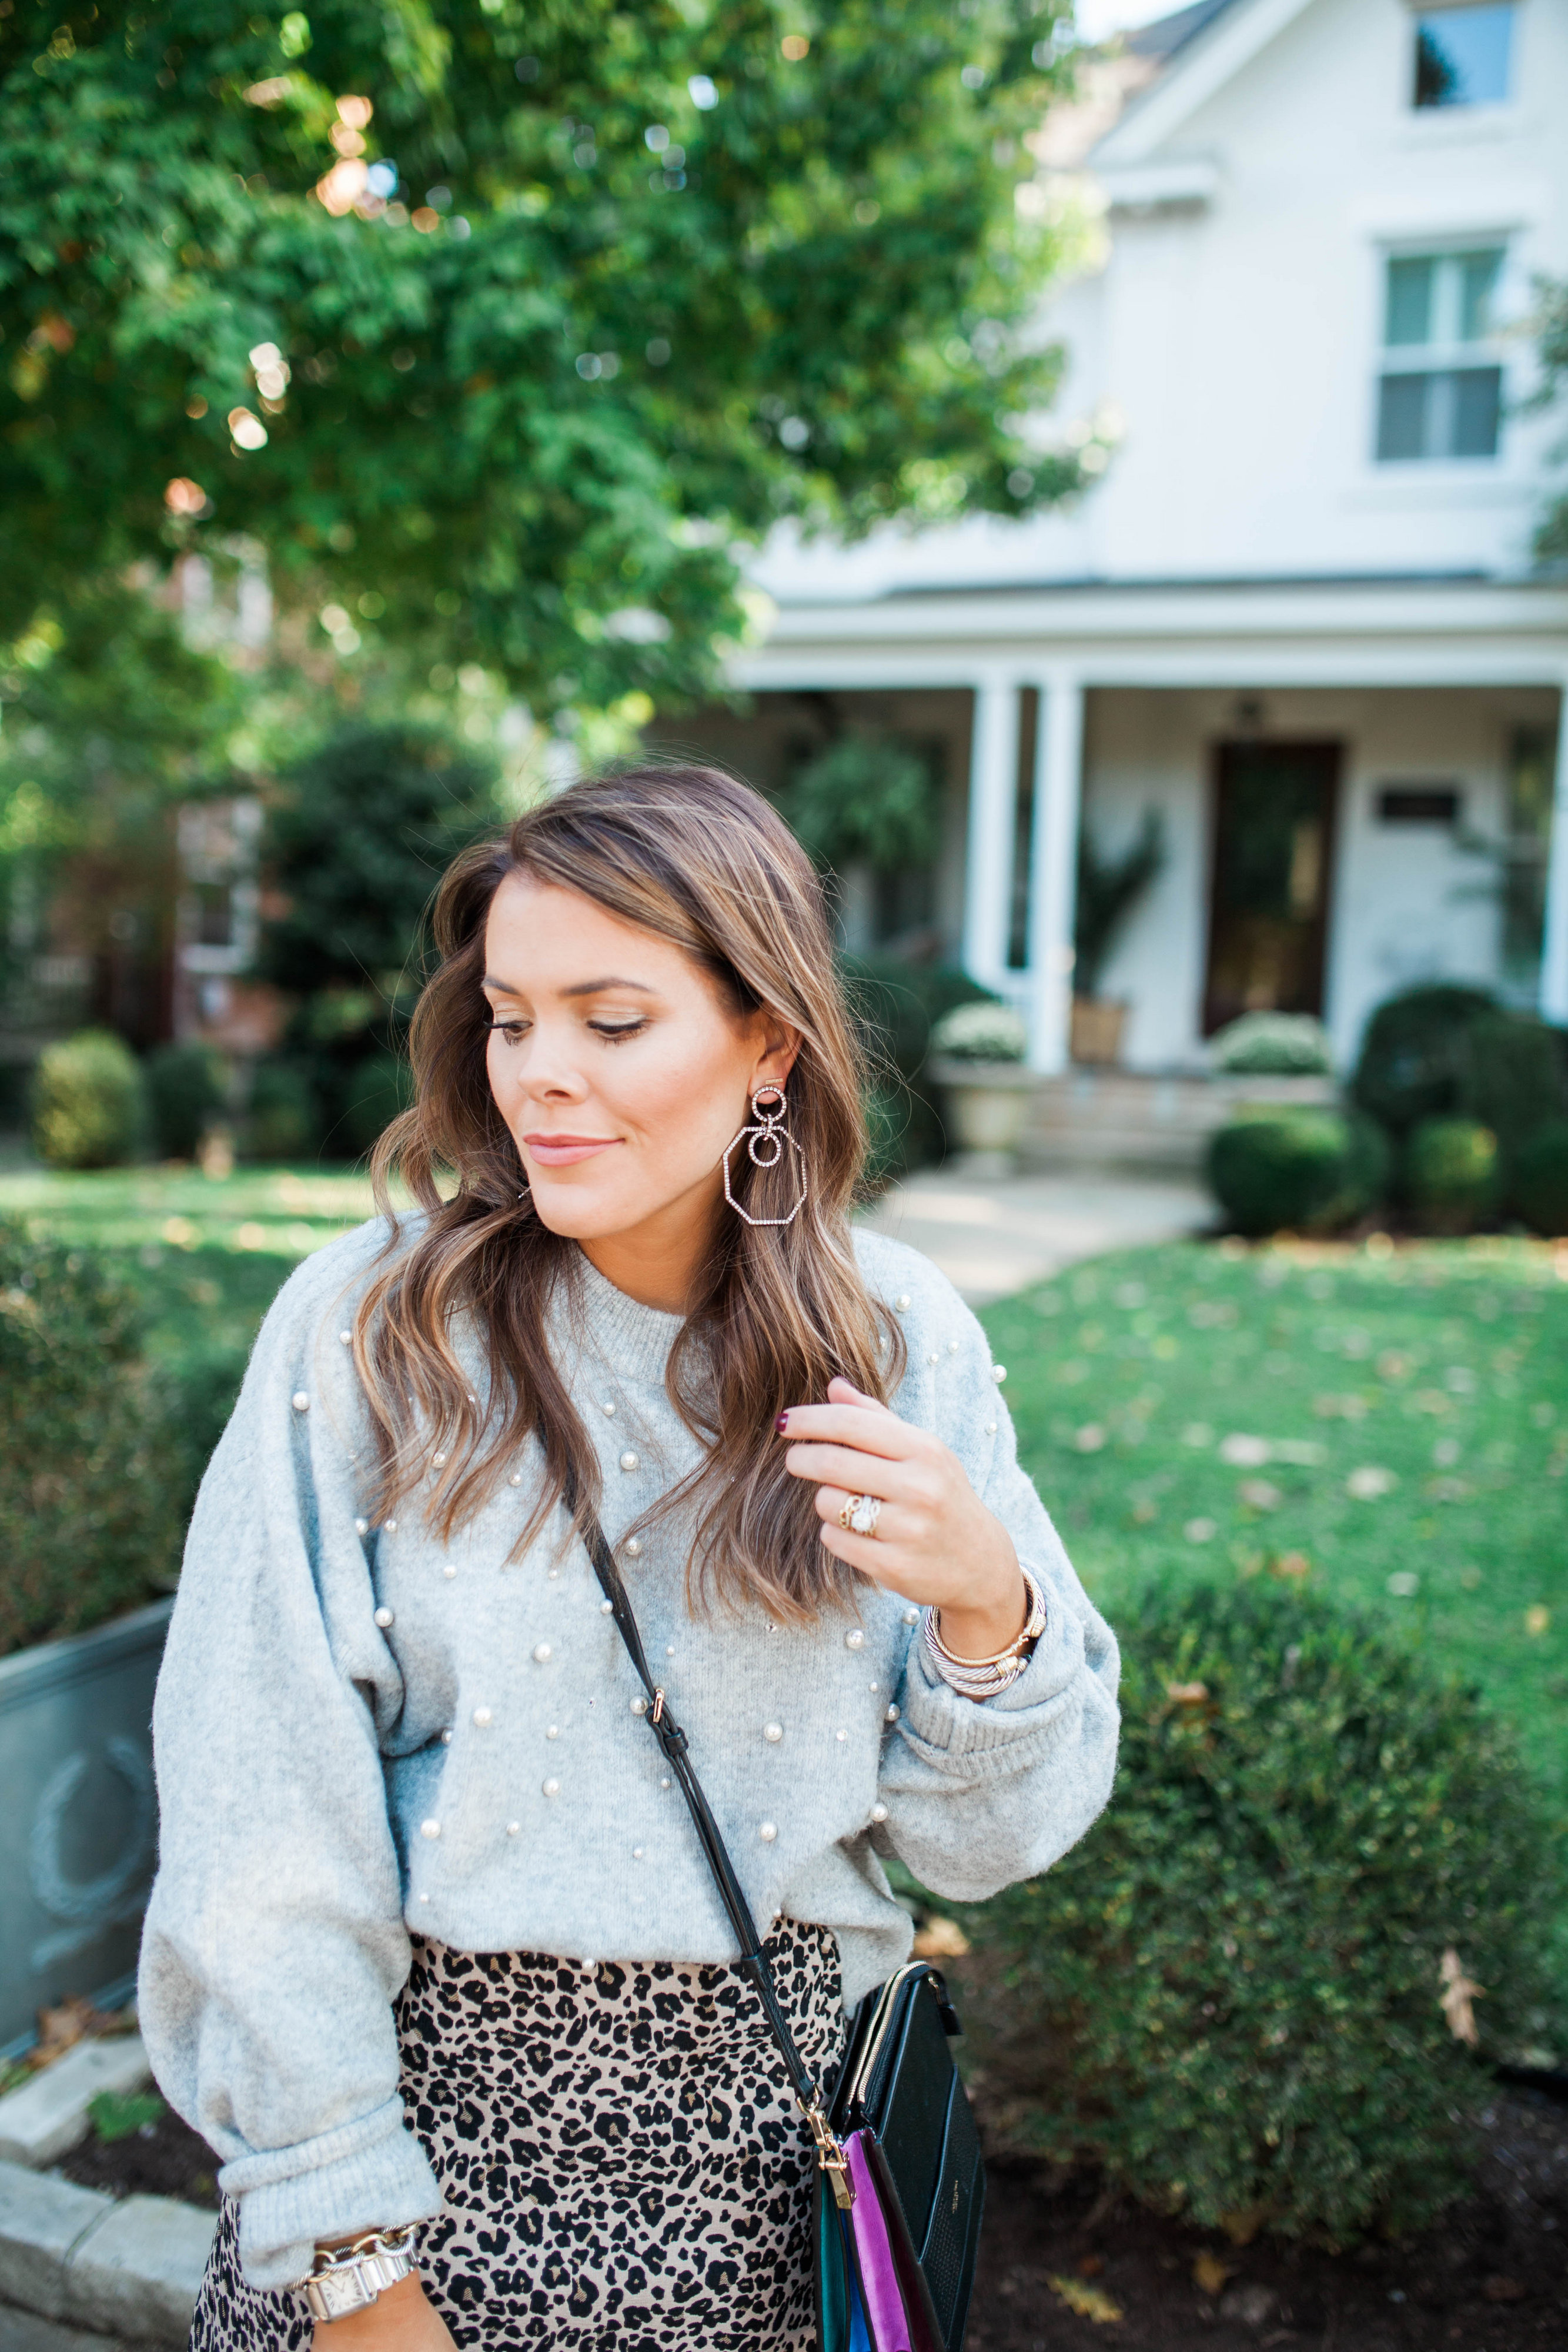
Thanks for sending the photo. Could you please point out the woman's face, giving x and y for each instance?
(617, 1065)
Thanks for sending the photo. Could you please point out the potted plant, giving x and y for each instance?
(977, 1059)
(1109, 888)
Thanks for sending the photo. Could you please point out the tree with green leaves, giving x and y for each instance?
(358, 836)
(110, 717)
(499, 327)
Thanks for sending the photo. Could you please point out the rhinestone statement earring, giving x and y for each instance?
(767, 1109)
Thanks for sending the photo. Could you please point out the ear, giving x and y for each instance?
(777, 1046)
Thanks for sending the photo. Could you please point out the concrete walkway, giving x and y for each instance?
(993, 1234)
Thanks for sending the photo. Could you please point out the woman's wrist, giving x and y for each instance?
(982, 1625)
(974, 1635)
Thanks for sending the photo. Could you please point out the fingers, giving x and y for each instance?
(870, 1429)
(872, 1556)
(847, 1466)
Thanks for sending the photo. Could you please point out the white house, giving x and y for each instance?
(1298, 614)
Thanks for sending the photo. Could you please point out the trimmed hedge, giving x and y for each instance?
(1229, 1995)
(894, 1006)
(1451, 1173)
(1541, 1180)
(1273, 1046)
(1277, 1165)
(283, 1121)
(93, 1467)
(185, 1096)
(89, 1102)
(1511, 1079)
(1413, 1057)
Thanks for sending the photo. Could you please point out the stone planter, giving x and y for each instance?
(78, 1831)
(985, 1103)
(1094, 1035)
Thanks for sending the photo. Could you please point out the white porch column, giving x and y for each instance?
(1053, 867)
(993, 806)
(1555, 943)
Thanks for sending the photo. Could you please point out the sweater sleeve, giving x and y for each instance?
(982, 1795)
(275, 1940)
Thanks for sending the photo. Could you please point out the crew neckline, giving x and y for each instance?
(634, 1340)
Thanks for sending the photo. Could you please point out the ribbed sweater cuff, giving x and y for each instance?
(370, 2174)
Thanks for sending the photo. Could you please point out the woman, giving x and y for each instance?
(433, 1940)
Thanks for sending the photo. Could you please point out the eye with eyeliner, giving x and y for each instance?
(613, 1032)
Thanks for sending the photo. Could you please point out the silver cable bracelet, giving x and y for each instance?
(983, 1678)
(351, 2278)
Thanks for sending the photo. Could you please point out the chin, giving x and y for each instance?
(578, 1211)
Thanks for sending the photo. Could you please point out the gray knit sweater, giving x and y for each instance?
(364, 1732)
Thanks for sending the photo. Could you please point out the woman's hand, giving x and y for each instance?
(400, 2319)
(936, 1542)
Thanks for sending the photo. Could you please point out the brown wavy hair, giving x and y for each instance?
(698, 859)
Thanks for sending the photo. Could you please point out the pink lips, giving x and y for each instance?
(565, 1150)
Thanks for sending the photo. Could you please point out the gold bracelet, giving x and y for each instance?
(983, 1678)
(1034, 1627)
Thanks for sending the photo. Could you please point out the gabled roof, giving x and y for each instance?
(1192, 54)
(1161, 40)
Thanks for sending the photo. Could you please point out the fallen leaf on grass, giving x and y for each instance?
(1088, 2302)
(1459, 1992)
(1188, 1694)
(1291, 1564)
(1210, 2272)
(1537, 1620)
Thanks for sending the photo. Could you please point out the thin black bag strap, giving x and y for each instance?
(676, 1752)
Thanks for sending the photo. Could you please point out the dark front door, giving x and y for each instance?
(1273, 839)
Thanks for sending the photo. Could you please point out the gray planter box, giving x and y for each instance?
(78, 1830)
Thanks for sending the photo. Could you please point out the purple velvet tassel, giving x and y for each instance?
(889, 2321)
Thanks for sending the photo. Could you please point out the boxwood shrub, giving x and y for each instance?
(185, 1095)
(1511, 1079)
(93, 1475)
(1275, 1166)
(1540, 1180)
(1413, 1056)
(1450, 1173)
(89, 1102)
(1228, 1995)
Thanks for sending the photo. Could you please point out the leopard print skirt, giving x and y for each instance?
(622, 2165)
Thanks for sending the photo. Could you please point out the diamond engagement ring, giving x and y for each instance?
(861, 1514)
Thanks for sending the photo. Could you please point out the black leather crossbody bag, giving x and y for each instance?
(901, 2181)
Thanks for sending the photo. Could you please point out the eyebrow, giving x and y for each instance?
(579, 988)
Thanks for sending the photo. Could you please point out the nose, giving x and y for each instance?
(544, 1068)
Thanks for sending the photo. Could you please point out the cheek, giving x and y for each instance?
(683, 1100)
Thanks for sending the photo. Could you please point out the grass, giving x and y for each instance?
(207, 1255)
(1388, 1425)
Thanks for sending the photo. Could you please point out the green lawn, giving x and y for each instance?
(207, 1255)
(1407, 1413)
(1388, 1425)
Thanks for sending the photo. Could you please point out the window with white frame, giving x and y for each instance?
(1439, 395)
(1464, 55)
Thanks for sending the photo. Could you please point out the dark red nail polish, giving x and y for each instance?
(782, 1423)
